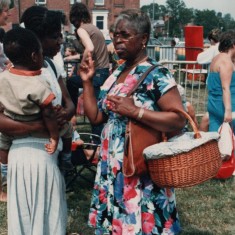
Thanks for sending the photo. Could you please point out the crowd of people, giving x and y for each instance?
(36, 123)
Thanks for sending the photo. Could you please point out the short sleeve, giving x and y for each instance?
(158, 82)
(41, 95)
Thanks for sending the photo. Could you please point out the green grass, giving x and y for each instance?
(206, 209)
(78, 207)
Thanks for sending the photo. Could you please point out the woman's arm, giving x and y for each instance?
(91, 110)
(66, 112)
(15, 128)
(165, 120)
(72, 57)
(226, 70)
(86, 42)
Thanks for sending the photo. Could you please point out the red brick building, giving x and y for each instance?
(103, 11)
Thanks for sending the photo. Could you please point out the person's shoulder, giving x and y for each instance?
(151, 65)
(154, 68)
(52, 66)
(42, 82)
(88, 27)
(93, 30)
(157, 65)
(221, 57)
(220, 61)
(48, 72)
(4, 74)
(82, 29)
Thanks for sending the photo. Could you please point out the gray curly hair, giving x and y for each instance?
(4, 4)
(138, 20)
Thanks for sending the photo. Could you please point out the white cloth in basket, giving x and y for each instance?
(178, 144)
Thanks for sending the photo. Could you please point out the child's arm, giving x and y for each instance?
(49, 118)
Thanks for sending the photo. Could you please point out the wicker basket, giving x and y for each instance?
(189, 168)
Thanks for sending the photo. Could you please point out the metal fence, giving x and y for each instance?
(189, 74)
(192, 77)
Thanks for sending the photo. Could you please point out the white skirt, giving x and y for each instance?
(36, 190)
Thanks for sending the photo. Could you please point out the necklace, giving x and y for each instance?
(138, 62)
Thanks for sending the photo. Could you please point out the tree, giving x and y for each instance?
(229, 22)
(157, 10)
(208, 19)
(176, 16)
(175, 9)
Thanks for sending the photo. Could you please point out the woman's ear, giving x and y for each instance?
(145, 39)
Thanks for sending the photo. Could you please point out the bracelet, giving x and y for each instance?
(140, 114)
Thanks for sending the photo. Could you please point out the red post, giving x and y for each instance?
(193, 44)
(193, 41)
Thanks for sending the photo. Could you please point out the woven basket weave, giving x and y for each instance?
(187, 169)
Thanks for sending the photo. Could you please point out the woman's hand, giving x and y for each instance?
(87, 68)
(122, 105)
(228, 116)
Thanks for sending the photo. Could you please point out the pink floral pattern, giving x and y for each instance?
(148, 222)
(130, 206)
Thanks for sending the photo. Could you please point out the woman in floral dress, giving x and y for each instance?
(130, 205)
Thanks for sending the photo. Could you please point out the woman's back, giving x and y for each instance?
(218, 62)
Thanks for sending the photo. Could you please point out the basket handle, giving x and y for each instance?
(197, 134)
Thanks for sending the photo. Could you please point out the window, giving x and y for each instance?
(100, 22)
(100, 19)
(73, 1)
(40, 2)
(99, 2)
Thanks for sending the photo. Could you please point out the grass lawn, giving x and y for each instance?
(206, 209)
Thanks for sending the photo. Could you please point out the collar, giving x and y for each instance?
(25, 72)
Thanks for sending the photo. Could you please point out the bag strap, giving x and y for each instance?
(143, 76)
(50, 62)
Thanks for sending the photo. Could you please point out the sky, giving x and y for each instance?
(224, 6)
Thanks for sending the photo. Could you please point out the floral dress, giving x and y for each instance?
(133, 205)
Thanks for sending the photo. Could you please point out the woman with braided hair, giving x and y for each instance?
(36, 189)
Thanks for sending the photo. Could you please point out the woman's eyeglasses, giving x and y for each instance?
(123, 36)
